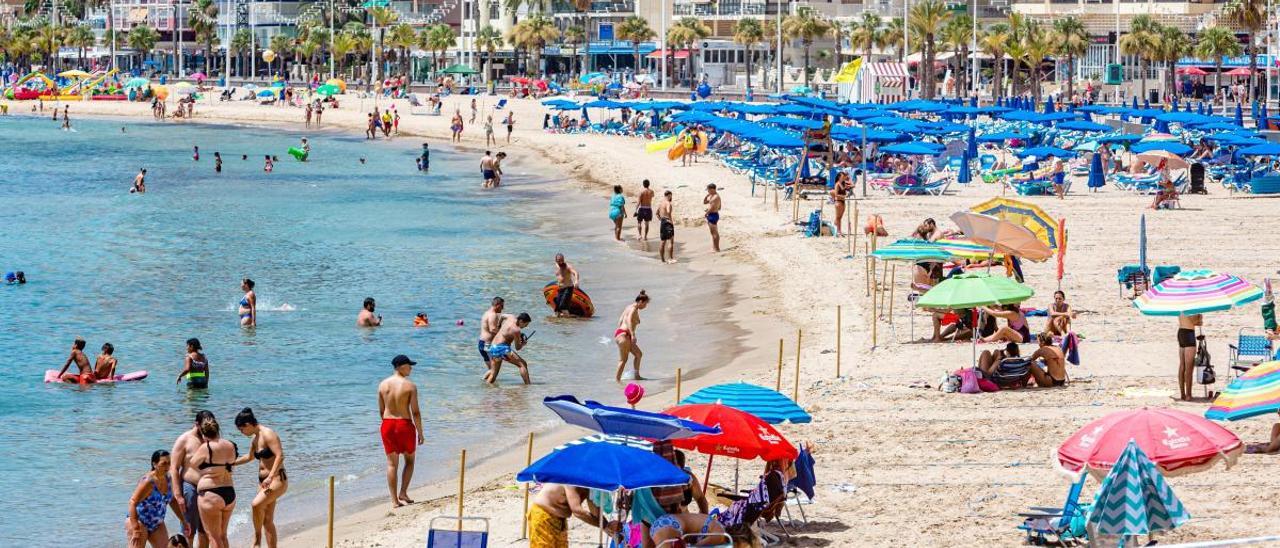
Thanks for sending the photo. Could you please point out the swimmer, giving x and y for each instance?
(248, 304)
(489, 324)
(139, 183)
(625, 335)
(18, 277)
(421, 320)
(268, 164)
(217, 162)
(82, 363)
(362, 160)
(508, 339)
(66, 124)
(244, 157)
(424, 161)
(105, 366)
(366, 317)
(306, 149)
(195, 153)
(497, 168)
(486, 169)
(195, 366)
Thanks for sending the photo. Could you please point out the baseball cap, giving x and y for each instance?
(402, 360)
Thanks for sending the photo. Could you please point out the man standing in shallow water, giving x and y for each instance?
(566, 281)
(401, 419)
(486, 169)
(489, 324)
(666, 229)
(712, 201)
(366, 317)
(644, 210)
(183, 472)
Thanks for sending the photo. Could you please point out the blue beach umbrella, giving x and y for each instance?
(624, 422)
(971, 149)
(638, 443)
(770, 406)
(604, 466)
(1135, 499)
(1239, 115)
(1135, 102)
(1081, 125)
(1096, 177)
(1048, 105)
(1187, 108)
(965, 175)
(1161, 126)
(1268, 149)
(1261, 121)
(1146, 104)
(915, 147)
(973, 101)
(1175, 105)
(1041, 152)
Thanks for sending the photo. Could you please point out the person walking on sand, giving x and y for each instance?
(264, 446)
(617, 211)
(366, 317)
(506, 341)
(148, 504)
(566, 281)
(490, 321)
(401, 420)
(486, 169)
(488, 131)
(666, 230)
(183, 472)
(712, 201)
(625, 336)
(456, 126)
(644, 210)
(474, 110)
(511, 124)
(1187, 353)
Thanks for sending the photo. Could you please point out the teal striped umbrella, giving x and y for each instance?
(1135, 499)
(772, 407)
(912, 250)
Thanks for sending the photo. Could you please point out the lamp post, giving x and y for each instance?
(331, 73)
(226, 61)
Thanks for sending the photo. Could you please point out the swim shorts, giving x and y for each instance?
(1186, 338)
(190, 497)
(667, 231)
(713, 217)
(564, 297)
(644, 213)
(483, 347)
(399, 436)
(488, 174)
(499, 351)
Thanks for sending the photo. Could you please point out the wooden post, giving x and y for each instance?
(875, 321)
(795, 391)
(838, 319)
(330, 511)
(678, 379)
(893, 275)
(778, 386)
(853, 231)
(462, 485)
(524, 519)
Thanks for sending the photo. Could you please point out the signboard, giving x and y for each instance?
(606, 31)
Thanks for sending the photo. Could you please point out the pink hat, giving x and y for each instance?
(633, 392)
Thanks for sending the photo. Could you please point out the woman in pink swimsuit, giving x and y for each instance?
(625, 335)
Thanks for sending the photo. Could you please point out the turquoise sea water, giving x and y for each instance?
(147, 272)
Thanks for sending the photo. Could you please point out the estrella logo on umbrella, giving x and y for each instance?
(766, 436)
(1172, 440)
(1091, 438)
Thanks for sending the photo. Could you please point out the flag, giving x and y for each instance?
(849, 73)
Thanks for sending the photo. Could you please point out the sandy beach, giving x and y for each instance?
(896, 465)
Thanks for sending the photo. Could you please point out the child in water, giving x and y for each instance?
(217, 162)
(195, 153)
(421, 320)
(268, 166)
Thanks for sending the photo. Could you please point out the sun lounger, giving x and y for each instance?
(455, 535)
(935, 187)
(1061, 526)
(1252, 348)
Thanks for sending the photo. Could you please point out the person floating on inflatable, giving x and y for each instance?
(85, 376)
(301, 152)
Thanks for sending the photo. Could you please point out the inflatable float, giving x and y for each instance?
(298, 154)
(580, 305)
(51, 375)
(675, 152)
(662, 144)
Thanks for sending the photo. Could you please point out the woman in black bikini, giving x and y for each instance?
(839, 192)
(272, 481)
(215, 492)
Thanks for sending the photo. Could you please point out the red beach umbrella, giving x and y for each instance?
(1177, 442)
(742, 435)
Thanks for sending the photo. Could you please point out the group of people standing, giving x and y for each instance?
(645, 213)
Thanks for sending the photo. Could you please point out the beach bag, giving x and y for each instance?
(950, 384)
(969, 381)
(1206, 374)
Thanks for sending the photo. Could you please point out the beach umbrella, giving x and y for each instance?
(1081, 125)
(137, 83)
(74, 73)
(592, 76)
(1097, 177)
(1175, 105)
(1003, 236)
(1004, 136)
(770, 406)
(1261, 121)
(911, 250)
(1087, 146)
(182, 88)
(328, 90)
(1268, 149)
(1255, 392)
(1173, 161)
(199, 76)
(915, 147)
(1239, 115)
(1025, 214)
(965, 174)
(974, 289)
(623, 421)
(1195, 292)
(604, 466)
(342, 85)
(1135, 102)
(1135, 499)
(1048, 105)
(1146, 104)
(742, 435)
(1161, 126)
(971, 145)
(966, 249)
(1176, 441)
(638, 443)
(1045, 151)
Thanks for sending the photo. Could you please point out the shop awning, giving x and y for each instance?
(890, 74)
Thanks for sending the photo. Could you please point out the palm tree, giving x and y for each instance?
(573, 37)
(48, 39)
(749, 33)
(928, 19)
(1038, 45)
(142, 38)
(892, 37)
(683, 35)
(440, 38)
(839, 31)
(202, 18)
(489, 39)
(380, 18)
(283, 46)
(533, 34)
(1174, 45)
(958, 34)
(636, 29)
(1073, 41)
(343, 44)
(866, 34)
(1141, 41)
(806, 25)
(241, 42)
(81, 37)
(1214, 43)
(402, 38)
(1250, 15)
(306, 50)
(994, 42)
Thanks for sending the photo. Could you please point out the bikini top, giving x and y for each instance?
(244, 301)
(264, 453)
(210, 464)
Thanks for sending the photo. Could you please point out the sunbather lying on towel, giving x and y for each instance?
(1272, 446)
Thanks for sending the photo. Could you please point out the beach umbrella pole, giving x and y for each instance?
(706, 478)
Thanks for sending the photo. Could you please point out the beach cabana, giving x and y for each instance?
(883, 82)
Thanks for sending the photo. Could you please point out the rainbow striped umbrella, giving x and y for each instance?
(1196, 292)
(1256, 392)
(911, 250)
(967, 249)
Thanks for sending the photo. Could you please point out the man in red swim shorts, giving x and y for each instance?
(401, 426)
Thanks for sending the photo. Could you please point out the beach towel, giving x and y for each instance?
(1269, 313)
(805, 480)
(546, 530)
(1071, 348)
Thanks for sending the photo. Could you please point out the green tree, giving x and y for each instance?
(686, 32)
(995, 42)
(1141, 41)
(80, 37)
(1251, 16)
(927, 19)
(806, 25)
(283, 46)
(380, 18)
(1073, 41)
(636, 29)
(143, 38)
(241, 45)
(440, 38)
(1038, 44)
(48, 39)
(1214, 43)
(573, 37)
(1174, 45)
(202, 18)
(489, 39)
(958, 34)
(343, 44)
(866, 34)
(401, 37)
(749, 33)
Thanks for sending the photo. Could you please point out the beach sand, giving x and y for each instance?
(896, 465)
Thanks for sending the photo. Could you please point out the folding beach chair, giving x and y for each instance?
(502, 103)
(1061, 526)
(1252, 348)
(1134, 278)
(801, 486)
(454, 535)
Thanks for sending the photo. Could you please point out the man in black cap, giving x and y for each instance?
(401, 420)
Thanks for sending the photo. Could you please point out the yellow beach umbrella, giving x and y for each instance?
(337, 82)
(1027, 215)
(74, 74)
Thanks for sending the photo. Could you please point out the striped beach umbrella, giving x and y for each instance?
(911, 250)
(1196, 292)
(1029, 215)
(628, 441)
(967, 249)
(1135, 499)
(772, 407)
(1256, 392)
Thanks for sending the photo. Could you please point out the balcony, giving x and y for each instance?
(606, 8)
(723, 9)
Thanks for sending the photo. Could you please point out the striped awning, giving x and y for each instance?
(890, 74)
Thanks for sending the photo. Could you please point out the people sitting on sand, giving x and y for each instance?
(1272, 445)
(552, 507)
(1052, 359)
(1168, 193)
(1008, 369)
(1015, 330)
(1060, 315)
(926, 230)
(925, 275)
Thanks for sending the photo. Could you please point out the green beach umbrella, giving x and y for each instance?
(912, 250)
(328, 90)
(1135, 499)
(459, 69)
(137, 83)
(974, 289)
